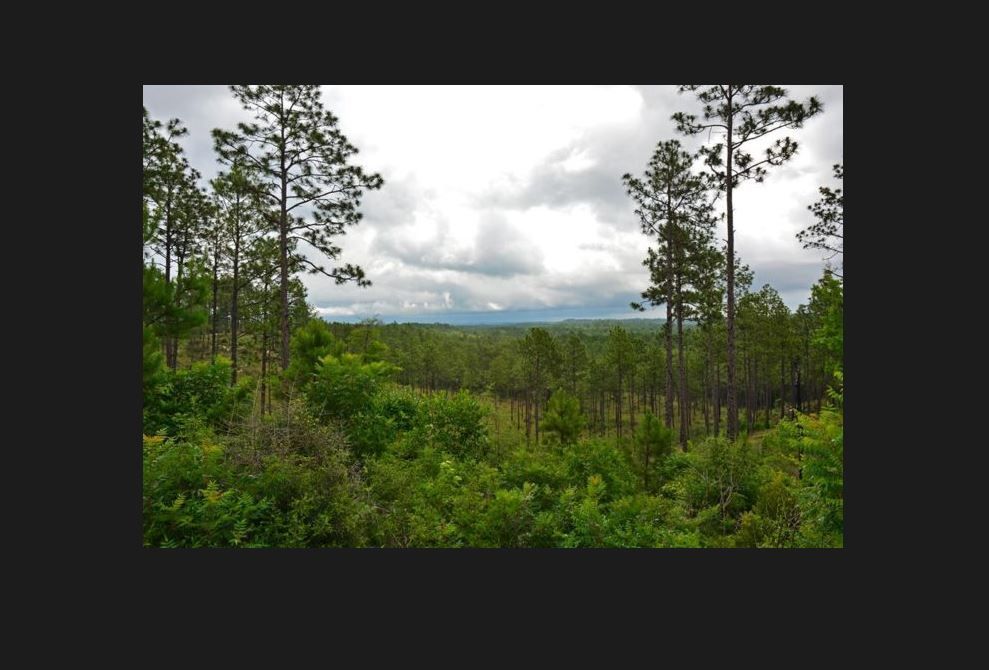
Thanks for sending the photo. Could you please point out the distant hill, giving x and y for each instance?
(589, 326)
(580, 324)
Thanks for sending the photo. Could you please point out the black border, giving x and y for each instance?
(105, 460)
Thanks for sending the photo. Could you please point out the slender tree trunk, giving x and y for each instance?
(645, 474)
(518, 411)
(168, 235)
(264, 367)
(173, 352)
(668, 327)
(684, 408)
(717, 398)
(768, 392)
(704, 387)
(528, 418)
(729, 215)
(216, 286)
(798, 388)
(750, 394)
(234, 314)
(794, 385)
(283, 247)
(782, 384)
(167, 340)
(618, 407)
(707, 383)
(631, 401)
(538, 398)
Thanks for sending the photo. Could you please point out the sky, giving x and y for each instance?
(506, 204)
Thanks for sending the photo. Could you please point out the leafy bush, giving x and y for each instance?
(311, 343)
(453, 424)
(284, 481)
(597, 457)
(720, 484)
(342, 386)
(775, 519)
(389, 413)
(202, 393)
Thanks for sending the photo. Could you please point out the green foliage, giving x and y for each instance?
(653, 442)
(827, 302)
(599, 458)
(828, 234)
(153, 363)
(174, 309)
(342, 386)
(200, 394)
(775, 519)
(454, 425)
(365, 340)
(721, 483)
(291, 120)
(266, 487)
(641, 520)
(822, 494)
(563, 417)
(388, 413)
(310, 344)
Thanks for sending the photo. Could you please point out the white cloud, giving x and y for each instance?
(503, 198)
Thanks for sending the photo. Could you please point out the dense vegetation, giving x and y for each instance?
(265, 426)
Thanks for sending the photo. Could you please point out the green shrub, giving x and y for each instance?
(202, 392)
(342, 387)
(453, 424)
(598, 457)
(311, 343)
(720, 484)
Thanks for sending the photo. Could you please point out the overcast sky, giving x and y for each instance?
(505, 203)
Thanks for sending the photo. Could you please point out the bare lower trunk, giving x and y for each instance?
(684, 407)
(668, 327)
(216, 286)
(782, 386)
(768, 393)
(729, 215)
(717, 399)
(264, 368)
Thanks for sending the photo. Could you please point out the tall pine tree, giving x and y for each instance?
(296, 151)
(742, 113)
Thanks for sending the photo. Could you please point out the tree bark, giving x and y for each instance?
(782, 384)
(283, 244)
(234, 293)
(684, 409)
(729, 215)
(216, 286)
(264, 367)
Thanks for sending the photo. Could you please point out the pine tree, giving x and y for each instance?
(300, 157)
(541, 359)
(744, 113)
(242, 224)
(828, 234)
(674, 207)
